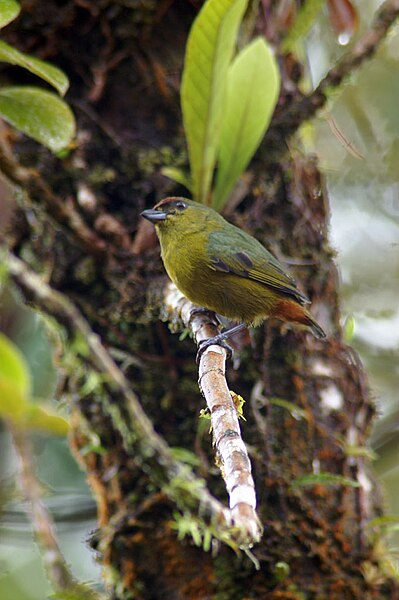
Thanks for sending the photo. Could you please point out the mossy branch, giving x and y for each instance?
(232, 455)
(138, 435)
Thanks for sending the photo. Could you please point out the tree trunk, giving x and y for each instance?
(308, 408)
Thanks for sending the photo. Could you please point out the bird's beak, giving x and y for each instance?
(154, 215)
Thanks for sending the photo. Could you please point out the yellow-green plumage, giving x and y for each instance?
(220, 267)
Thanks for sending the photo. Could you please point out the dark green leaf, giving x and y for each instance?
(39, 114)
(49, 73)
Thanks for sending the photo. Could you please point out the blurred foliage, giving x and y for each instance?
(356, 140)
(27, 362)
(17, 405)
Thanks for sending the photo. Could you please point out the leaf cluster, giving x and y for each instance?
(40, 114)
(227, 102)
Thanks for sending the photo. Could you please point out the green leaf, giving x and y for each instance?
(39, 114)
(385, 525)
(323, 479)
(296, 411)
(15, 392)
(15, 380)
(302, 24)
(253, 85)
(45, 419)
(209, 50)
(349, 328)
(382, 521)
(360, 451)
(9, 10)
(13, 366)
(49, 73)
(185, 456)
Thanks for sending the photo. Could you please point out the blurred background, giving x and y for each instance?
(356, 139)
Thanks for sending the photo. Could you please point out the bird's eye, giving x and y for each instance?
(180, 205)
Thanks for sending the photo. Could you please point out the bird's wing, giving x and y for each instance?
(242, 255)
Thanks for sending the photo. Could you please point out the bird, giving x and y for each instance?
(223, 269)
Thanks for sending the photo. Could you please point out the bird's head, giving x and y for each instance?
(179, 215)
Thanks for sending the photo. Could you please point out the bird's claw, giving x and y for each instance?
(204, 344)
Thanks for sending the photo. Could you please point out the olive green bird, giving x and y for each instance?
(223, 269)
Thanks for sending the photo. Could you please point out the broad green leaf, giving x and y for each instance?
(39, 114)
(252, 91)
(302, 24)
(9, 10)
(45, 419)
(15, 380)
(209, 50)
(13, 366)
(13, 402)
(49, 73)
(323, 479)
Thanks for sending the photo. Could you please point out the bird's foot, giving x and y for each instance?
(216, 340)
(206, 313)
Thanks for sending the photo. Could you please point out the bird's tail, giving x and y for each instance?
(315, 328)
(288, 310)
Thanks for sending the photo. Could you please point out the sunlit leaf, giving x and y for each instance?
(209, 50)
(49, 73)
(252, 91)
(13, 366)
(360, 451)
(13, 403)
(323, 479)
(349, 328)
(39, 114)
(302, 24)
(382, 522)
(15, 380)
(45, 419)
(238, 402)
(9, 10)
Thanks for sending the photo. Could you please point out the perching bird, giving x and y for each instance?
(221, 268)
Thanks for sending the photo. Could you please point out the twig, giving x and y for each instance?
(231, 451)
(306, 106)
(138, 435)
(63, 211)
(56, 568)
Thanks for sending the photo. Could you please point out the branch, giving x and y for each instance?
(306, 107)
(56, 568)
(231, 450)
(138, 435)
